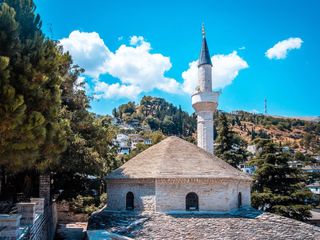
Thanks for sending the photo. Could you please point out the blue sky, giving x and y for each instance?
(137, 48)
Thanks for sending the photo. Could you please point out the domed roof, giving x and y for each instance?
(176, 158)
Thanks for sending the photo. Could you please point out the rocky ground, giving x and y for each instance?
(203, 226)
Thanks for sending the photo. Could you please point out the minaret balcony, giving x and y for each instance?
(205, 101)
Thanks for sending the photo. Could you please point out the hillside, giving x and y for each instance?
(158, 114)
(301, 135)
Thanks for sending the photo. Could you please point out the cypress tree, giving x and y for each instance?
(230, 147)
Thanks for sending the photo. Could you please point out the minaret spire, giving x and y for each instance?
(203, 31)
(204, 100)
(204, 53)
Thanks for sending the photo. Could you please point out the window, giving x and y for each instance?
(129, 201)
(239, 200)
(192, 202)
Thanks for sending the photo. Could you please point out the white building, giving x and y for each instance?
(248, 169)
(122, 137)
(295, 164)
(252, 149)
(314, 188)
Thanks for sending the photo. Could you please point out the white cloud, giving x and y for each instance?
(281, 49)
(135, 65)
(137, 69)
(88, 51)
(135, 40)
(115, 91)
(81, 84)
(225, 69)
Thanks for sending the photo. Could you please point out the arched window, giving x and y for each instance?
(192, 202)
(239, 200)
(130, 201)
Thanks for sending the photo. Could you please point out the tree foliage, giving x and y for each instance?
(230, 147)
(45, 123)
(32, 132)
(158, 114)
(277, 187)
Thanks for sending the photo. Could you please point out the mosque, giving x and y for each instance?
(175, 175)
(177, 190)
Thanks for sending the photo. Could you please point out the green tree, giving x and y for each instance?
(277, 187)
(168, 126)
(115, 112)
(230, 146)
(224, 138)
(33, 75)
(90, 149)
(154, 123)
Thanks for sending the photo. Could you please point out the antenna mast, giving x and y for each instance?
(265, 106)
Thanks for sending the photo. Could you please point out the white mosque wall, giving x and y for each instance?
(143, 191)
(218, 196)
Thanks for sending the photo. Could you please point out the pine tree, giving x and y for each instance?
(277, 187)
(21, 130)
(35, 73)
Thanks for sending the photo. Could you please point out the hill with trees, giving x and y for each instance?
(159, 115)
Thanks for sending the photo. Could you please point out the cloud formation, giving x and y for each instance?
(138, 70)
(281, 49)
(88, 51)
(225, 69)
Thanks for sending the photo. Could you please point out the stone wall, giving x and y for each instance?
(143, 191)
(214, 195)
(31, 222)
(45, 225)
(44, 188)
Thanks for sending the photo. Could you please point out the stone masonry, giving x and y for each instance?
(213, 194)
(143, 190)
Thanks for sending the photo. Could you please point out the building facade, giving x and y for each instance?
(175, 175)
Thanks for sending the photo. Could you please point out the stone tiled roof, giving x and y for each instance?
(201, 226)
(176, 158)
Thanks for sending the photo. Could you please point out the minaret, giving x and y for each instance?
(204, 100)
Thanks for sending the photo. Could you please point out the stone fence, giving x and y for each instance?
(33, 221)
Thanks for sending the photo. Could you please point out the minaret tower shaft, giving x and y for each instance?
(204, 100)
